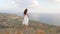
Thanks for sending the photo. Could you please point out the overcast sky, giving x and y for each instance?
(34, 6)
(51, 7)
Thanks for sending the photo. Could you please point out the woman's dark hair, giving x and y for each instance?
(25, 11)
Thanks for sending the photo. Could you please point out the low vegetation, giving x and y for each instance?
(12, 24)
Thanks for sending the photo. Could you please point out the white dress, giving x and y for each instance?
(25, 20)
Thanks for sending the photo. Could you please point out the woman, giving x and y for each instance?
(25, 18)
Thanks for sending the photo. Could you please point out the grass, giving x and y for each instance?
(15, 25)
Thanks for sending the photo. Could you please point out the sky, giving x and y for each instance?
(44, 10)
(34, 6)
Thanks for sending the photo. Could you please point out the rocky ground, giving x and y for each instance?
(12, 24)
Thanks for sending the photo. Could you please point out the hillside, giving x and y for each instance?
(12, 24)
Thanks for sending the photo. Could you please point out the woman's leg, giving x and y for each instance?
(26, 26)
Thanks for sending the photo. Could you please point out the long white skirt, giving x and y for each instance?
(25, 20)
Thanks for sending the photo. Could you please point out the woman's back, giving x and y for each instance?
(25, 19)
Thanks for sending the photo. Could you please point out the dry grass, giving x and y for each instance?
(19, 32)
(9, 24)
(0, 33)
(6, 32)
(40, 32)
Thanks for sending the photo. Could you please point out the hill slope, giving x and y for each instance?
(13, 23)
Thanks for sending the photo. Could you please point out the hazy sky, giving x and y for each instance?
(34, 6)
